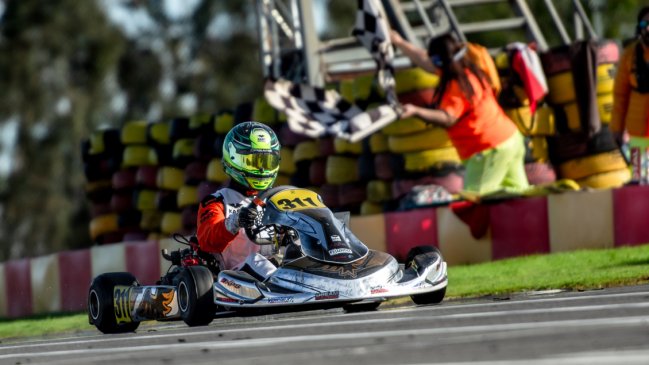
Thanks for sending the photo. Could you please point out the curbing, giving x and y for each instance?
(554, 223)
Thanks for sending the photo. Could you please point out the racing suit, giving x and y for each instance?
(219, 233)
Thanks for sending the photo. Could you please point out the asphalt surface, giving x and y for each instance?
(608, 326)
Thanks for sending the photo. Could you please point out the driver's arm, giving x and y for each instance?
(212, 234)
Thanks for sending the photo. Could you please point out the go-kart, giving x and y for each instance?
(319, 263)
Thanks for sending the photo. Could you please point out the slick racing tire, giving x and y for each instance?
(361, 307)
(101, 309)
(426, 298)
(435, 297)
(195, 298)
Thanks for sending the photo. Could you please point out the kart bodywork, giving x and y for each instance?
(321, 264)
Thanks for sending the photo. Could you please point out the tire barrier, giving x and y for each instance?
(414, 79)
(583, 167)
(187, 196)
(170, 177)
(426, 160)
(378, 143)
(427, 140)
(546, 224)
(539, 173)
(195, 172)
(341, 170)
(139, 155)
(147, 177)
(343, 146)
(406, 126)
(606, 180)
(215, 172)
(134, 132)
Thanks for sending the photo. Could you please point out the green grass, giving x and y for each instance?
(578, 270)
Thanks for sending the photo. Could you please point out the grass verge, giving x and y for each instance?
(578, 270)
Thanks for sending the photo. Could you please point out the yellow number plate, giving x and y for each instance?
(121, 303)
(297, 199)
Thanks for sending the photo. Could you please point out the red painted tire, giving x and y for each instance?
(206, 188)
(146, 177)
(317, 171)
(540, 173)
(195, 172)
(352, 194)
(330, 195)
(124, 179)
(423, 98)
(122, 201)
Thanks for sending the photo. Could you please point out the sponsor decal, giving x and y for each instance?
(230, 283)
(327, 295)
(340, 251)
(152, 303)
(226, 299)
(335, 238)
(277, 300)
(378, 290)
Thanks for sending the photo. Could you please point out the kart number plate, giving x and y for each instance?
(121, 300)
(297, 199)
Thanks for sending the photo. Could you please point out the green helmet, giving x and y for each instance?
(251, 155)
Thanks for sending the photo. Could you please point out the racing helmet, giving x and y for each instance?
(251, 155)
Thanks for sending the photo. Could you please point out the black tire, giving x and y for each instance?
(435, 297)
(361, 307)
(195, 298)
(418, 251)
(101, 310)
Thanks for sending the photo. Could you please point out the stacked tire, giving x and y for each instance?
(535, 126)
(593, 161)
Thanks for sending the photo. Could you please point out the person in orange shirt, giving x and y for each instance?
(487, 141)
(251, 156)
(631, 96)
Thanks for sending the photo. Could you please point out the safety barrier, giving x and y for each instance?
(515, 227)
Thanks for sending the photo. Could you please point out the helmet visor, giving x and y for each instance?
(258, 161)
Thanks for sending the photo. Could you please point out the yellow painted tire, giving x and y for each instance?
(427, 140)
(306, 150)
(415, 78)
(151, 220)
(158, 133)
(183, 150)
(371, 208)
(138, 155)
(605, 107)
(363, 86)
(379, 191)
(134, 132)
(103, 224)
(282, 180)
(341, 170)
(201, 122)
(264, 112)
(378, 143)
(346, 90)
(170, 178)
(606, 180)
(429, 159)
(171, 223)
(342, 146)
(561, 88)
(104, 141)
(286, 163)
(145, 199)
(215, 172)
(583, 167)
(187, 195)
(224, 122)
(405, 126)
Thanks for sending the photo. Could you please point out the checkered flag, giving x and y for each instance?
(317, 112)
(373, 32)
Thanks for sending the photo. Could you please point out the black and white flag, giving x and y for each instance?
(317, 112)
(373, 31)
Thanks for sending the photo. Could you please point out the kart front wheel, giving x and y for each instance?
(101, 305)
(435, 297)
(195, 298)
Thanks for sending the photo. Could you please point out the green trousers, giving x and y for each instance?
(497, 169)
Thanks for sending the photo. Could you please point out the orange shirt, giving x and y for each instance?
(211, 232)
(629, 106)
(482, 122)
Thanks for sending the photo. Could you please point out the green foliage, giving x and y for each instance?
(587, 269)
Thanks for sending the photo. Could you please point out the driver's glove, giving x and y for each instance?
(248, 217)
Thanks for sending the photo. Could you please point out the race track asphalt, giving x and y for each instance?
(609, 326)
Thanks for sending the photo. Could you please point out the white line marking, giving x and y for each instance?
(348, 323)
(272, 341)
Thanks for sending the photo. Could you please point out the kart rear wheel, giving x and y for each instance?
(101, 309)
(195, 298)
(435, 297)
(361, 307)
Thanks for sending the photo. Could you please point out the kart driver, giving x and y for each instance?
(251, 159)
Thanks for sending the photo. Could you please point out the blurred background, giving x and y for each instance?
(70, 67)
